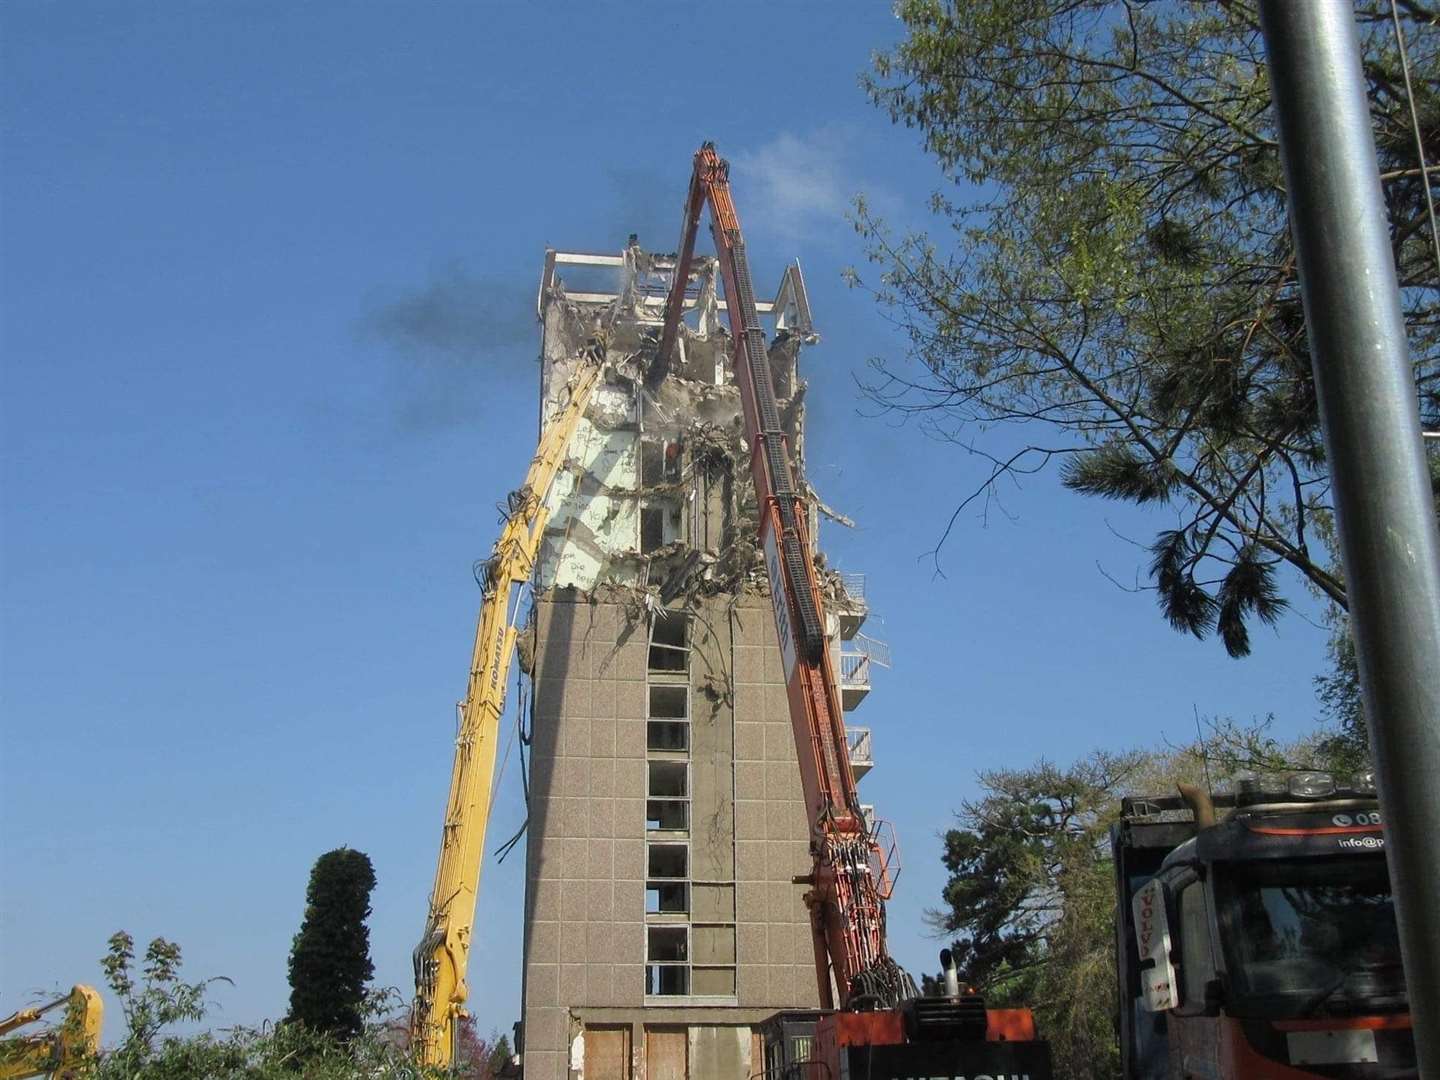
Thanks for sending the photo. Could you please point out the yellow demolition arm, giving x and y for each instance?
(62, 1053)
(444, 952)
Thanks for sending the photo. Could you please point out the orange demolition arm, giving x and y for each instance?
(849, 882)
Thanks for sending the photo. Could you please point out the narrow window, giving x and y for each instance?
(652, 529)
(667, 980)
(668, 861)
(670, 815)
(669, 702)
(669, 779)
(668, 736)
(668, 805)
(670, 642)
(667, 955)
(660, 462)
(667, 898)
(668, 944)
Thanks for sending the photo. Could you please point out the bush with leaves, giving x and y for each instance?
(149, 1050)
(159, 1000)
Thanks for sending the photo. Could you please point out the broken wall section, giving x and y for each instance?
(656, 494)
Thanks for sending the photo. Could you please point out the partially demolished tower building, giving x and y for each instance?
(666, 818)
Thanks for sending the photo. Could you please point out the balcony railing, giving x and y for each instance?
(878, 651)
(858, 740)
(850, 607)
(854, 669)
(854, 678)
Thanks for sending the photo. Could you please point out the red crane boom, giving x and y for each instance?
(849, 882)
(884, 1028)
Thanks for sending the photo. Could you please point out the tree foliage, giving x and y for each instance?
(1116, 281)
(478, 1057)
(1030, 903)
(498, 1060)
(1348, 742)
(330, 959)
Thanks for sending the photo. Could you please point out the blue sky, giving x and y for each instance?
(242, 496)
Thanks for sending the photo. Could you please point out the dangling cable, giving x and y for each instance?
(524, 725)
(504, 760)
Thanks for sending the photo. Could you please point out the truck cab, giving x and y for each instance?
(1256, 935)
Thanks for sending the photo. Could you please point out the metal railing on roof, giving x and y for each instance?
(854, 585)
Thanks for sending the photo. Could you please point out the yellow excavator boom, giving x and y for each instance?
(443, 954)
(63, 1053)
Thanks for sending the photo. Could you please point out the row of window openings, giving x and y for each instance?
(667, 806)
(667, 892)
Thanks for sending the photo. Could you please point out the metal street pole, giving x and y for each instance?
(1370, 416)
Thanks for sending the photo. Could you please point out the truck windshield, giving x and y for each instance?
(1310, 938)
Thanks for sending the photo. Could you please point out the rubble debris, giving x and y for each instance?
(525, 647)
(656, 500)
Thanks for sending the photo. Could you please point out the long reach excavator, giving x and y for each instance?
(873, 1023)
(443, 955)
(882, 1027)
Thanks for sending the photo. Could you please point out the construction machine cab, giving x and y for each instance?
(789, 1041)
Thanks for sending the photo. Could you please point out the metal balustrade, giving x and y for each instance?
(861, 761)
(854, 678)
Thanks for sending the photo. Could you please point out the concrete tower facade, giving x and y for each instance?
(666, 819)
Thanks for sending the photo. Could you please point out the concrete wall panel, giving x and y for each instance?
(586, 848)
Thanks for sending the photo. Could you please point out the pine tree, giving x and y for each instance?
(1111, 287)
(500, 1056)
(330, 958)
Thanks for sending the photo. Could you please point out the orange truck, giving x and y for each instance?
(1256, 935)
